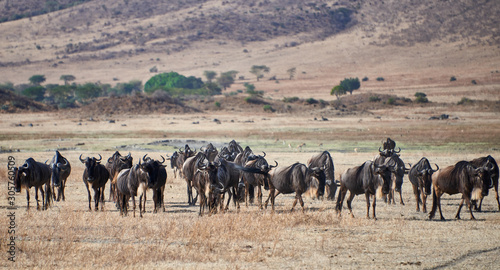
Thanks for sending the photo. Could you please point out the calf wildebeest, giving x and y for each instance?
(421, 179)
(133, 182)
(95, 176)
(396, 177)
(188, 170)
(369, 179)
(34, 174)
(115, 164)
(492, 174)
(173, 162)
(295, 178)
(158, 179)
(325, 160)
(464, 178)
(251, 179)
(61, 169)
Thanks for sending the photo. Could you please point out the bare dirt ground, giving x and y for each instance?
(69, 236)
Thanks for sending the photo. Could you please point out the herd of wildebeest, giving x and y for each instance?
(237, 172)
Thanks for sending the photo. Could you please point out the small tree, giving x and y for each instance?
(291, 72)
(37, 79)
(34, 92)
(225, 79)
(421, 97)
(210, 75)
(67, 78)
(338, 91)
(259, 71)
(88, 91)
(350, 84)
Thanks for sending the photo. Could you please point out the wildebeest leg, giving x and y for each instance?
(190, 193)
(301, 202)
(367, 195)
(101, 196)
(229, 195)
(259, 195)
(417, 192)
(44, 203)
(141, 208)
(97, 198)
(349, 201)
(28, 198)
(340, 200)
(457, 216)
(401, 197)
(469, 204)
(424, 202)
(195, 198)
(36, 199)
(133, 201)
(373, 206)
(436, 201)
(89, 196)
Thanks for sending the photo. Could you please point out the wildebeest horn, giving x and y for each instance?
(82, 160)
(271, 166)
(201, 149)
(48, 161)
(110, 159)
(100, 157)
(397, 151)
(489, 166)
(163, 159)
(264, 154)
(437, 168)
(144, 158)
(380, 150)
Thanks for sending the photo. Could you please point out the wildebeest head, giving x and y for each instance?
(319, 173)
(151, 167)
(91, 164)
(384, 171)
(482, 178)
(18, 177)
(425, 177)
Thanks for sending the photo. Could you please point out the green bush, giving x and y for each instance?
(268, 108)
(311, 101)
(421, 97)
(350, 84)
(464, 101)
(172, 80)
(365, 79)
(474, 82)
(217, 104)
(391, 101)
(380, 79)
(453, 78)
(374, 99)
(290, 99)
(34, 92)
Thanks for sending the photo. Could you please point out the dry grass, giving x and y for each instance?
(69, 236)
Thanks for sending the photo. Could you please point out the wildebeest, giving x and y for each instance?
(188, 170)
(95, 176)
(183, 155)
(420, 176)
(251, 179)
(228, 176)
(295, 178)
(34, 174)
(464, 178)
(61, 169)
(158, 179)
(369, 179)
(115, 164)
(173, 162)
(492, 174)
(204, 181)
(396, 177)
(389, 148)
(131, 183)
(325, 160)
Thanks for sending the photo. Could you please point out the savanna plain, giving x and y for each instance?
(68, 235)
